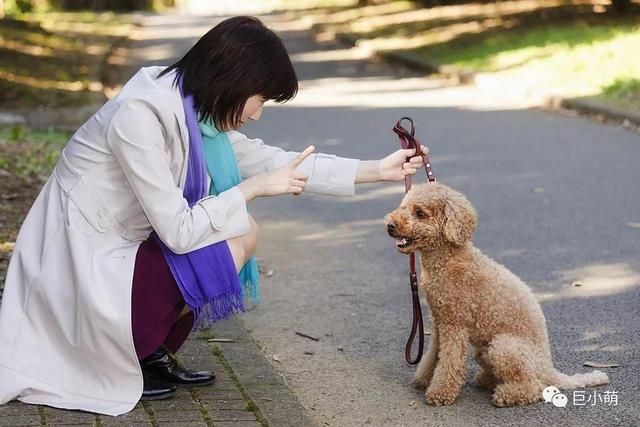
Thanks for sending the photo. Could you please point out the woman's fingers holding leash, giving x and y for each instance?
(410, 152)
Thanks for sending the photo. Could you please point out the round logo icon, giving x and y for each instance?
(559, 400)
(549, 392)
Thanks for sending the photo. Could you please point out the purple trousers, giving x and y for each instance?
(156, 304)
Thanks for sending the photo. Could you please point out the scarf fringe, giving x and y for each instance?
(213, 309)
(251, 290)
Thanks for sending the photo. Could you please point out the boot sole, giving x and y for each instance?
(163, 396)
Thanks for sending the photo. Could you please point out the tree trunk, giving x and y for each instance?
(621, 6)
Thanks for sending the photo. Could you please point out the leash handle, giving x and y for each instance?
(408, 140)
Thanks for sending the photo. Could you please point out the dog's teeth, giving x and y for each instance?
(401, 242)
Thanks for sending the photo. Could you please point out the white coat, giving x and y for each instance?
(65, 318)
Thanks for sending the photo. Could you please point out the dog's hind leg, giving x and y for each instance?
(513, 361)
(484, 378)
(427, 364)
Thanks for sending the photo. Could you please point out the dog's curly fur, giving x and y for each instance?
(474, 300)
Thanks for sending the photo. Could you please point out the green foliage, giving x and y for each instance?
(29, 155)
(54, 59)
(623, 92)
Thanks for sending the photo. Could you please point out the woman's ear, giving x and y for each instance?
(460, 219)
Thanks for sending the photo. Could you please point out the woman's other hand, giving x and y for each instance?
(284, 180)
(394, 167)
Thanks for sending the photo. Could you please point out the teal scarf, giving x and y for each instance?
(222, 167)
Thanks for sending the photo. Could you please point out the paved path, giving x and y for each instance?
(558, 201)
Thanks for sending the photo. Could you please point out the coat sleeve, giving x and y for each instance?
(328, 174)
(136, 136)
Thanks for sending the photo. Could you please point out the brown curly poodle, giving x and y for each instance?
(474, 300)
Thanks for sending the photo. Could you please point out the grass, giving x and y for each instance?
(26, 160)
(56, 59)
(536, 48)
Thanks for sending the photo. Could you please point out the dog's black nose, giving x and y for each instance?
(391, 227)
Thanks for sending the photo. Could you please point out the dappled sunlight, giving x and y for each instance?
(377, 193)
(76, 86)
(330, 55)
(454, 12)
(594, 280)
(374, 25)
(340, 233)
(441, 34)
(319, 234)
(351, 15)
(592, 339)
(177, 32)
(17, 46)
(390, 92)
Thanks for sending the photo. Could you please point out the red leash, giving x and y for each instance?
(408, 140)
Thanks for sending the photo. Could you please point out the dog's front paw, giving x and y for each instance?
(440, 397)
(421, 381)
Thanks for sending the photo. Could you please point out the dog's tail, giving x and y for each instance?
(571, 382)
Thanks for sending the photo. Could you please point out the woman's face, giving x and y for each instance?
(252, 109)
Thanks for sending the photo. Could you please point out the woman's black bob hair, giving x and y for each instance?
(238, 58)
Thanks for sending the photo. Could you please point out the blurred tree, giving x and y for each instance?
(621, 6)
(103, 4)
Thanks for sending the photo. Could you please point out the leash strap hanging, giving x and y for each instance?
(408, 140)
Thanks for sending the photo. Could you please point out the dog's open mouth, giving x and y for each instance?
(403, 242)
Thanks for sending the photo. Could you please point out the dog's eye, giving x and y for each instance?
(421, 214)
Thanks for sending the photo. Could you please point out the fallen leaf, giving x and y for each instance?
(413, 402)
(600, 365)
(269, 273)
(277, 357)
(577, 283)
(633, 224)
(340, 348)
(427, 332)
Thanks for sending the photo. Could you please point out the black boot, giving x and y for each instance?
(163, 366)
(156, 390)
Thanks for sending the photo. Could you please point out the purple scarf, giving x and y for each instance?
(207, 277)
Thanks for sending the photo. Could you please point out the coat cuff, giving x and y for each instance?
(227, 213)
(333, 175)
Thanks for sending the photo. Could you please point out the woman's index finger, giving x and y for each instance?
(300, 157)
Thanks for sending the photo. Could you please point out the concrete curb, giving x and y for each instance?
(415, 62)
(590, 106)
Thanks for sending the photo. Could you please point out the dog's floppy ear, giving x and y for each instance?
(459, 218)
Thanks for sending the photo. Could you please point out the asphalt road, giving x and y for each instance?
(557, 198)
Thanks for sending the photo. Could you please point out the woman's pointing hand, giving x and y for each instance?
(284, 180)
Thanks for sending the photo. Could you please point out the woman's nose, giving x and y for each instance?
(256, 116)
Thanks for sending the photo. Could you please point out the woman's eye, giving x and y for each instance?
(421, 214)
